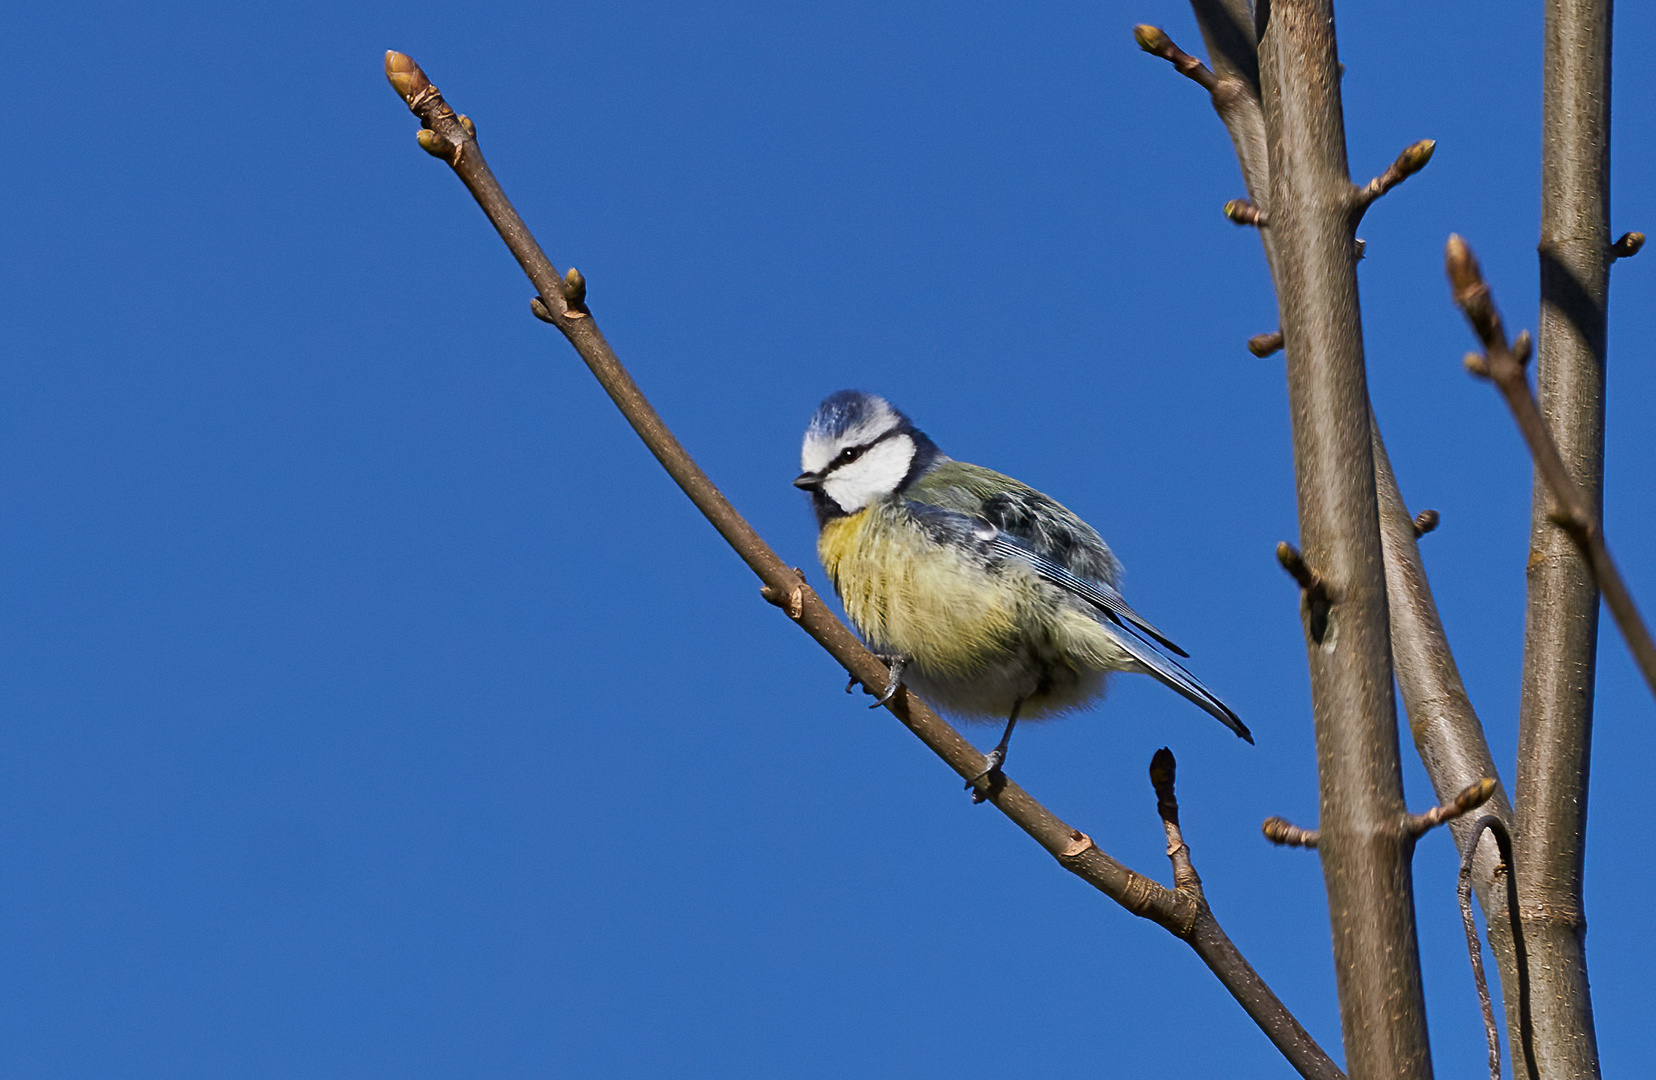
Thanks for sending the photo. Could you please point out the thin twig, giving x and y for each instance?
(1470, 798)
(1503, 364)
(1413, 158)
(562, 304)
(1463, 890)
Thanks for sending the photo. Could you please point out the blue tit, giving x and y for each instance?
(986, 597)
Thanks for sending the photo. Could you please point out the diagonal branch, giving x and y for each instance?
(561, 302)
(1503, 364)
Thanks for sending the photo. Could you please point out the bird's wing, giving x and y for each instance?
(1110, 604)
(951, 526)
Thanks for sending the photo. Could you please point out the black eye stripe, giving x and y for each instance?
(852, 453)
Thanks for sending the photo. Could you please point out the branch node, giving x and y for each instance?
(1284, 833)
(1471, 797)
(791, 600)
(1243, 212)
(1079, 844)
(433, 143)
(1425, 522)
(1263, 345)
(574, 289)
(1627, 245)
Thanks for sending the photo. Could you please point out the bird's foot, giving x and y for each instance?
(894, 679)
(991, 774)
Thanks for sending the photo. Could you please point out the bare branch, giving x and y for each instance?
(1503, 365)
(1472, 797)
(1263, 345)
(561, 302)
(1354, 713)
(1413, 158)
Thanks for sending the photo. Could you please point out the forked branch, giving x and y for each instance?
(561, 302)
(1503, 364)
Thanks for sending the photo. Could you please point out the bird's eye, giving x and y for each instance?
(849, 454)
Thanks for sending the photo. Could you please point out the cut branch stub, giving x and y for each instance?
(1263, 345)
(1425, 522)
(1243, 212)
(1627, 245)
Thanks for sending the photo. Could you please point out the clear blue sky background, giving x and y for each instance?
(375, 707)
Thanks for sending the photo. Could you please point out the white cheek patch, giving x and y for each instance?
(872, 476)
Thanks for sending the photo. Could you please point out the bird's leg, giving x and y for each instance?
(996, 758)
(894, 678)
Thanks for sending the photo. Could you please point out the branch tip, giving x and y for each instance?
(1284, 833)
(405, 75)
(1152, 39)
(1413, 158)
(574, 289)
(1263, 345)
(1425, 522)
(1627, 245)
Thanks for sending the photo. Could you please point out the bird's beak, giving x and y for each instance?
(808, 481)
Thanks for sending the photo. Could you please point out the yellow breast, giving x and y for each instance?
(910, 595)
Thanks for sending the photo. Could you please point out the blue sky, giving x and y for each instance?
(376, 707)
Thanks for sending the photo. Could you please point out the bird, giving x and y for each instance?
(988, 598)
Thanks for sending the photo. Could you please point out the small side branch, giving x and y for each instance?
(1463, 890)
(1285, 833)
(1314, 596)
(1215, 948)
(1410, 161)
(1503, 364)
(1154, 40)
(1470, 798)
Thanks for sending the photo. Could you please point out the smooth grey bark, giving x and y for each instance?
(1561, 623)
(1364, 849)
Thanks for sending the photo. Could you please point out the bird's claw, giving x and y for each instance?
(894, 679)
(992, 772)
